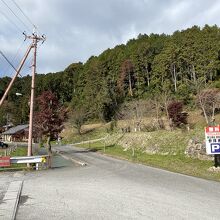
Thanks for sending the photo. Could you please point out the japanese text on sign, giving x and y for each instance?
(212, 136)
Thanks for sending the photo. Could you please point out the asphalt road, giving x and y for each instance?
(5, 179)
(113, 189)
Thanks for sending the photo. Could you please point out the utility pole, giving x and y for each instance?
(35, 39)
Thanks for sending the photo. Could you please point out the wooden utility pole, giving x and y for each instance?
(35, 39)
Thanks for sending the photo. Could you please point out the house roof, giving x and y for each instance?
(15, 129)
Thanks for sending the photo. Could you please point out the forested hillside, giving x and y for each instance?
(149, 68)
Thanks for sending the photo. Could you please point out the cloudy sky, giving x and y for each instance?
(78, 29)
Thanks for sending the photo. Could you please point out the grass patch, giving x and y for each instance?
(71, 136)
(176, 163)
(161, 148)
(20, 151)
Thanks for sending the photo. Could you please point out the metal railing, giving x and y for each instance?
(38, 160)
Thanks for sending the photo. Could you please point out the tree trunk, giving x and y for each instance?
(49, 151)
(168, 117)
(194, 74)
(78, 127)
(138, 83)
(174, 76)
(213, 110)
(148, 77)
(204, 112)
(157, 106)
(211, 76)
(130, 87)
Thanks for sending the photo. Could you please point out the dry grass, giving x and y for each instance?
(90, 127)
(159, 148)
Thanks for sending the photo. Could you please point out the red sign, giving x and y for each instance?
(5, 162)
(213, 129)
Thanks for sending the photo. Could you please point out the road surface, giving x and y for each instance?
(108, 188)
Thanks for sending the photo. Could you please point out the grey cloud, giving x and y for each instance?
(78, 29)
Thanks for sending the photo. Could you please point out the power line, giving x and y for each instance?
(15, 14)
(9, 62)
(19, 18)
(6, 69)
(24, 14)
(18, 50)
(27, 17)
(11, 21)
(27, 65)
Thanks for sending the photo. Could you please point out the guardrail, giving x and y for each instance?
(39, 159)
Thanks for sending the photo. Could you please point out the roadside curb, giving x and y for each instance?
(9, 205)
(76, 161)
(17, 200)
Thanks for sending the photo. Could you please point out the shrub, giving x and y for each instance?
(176, 114)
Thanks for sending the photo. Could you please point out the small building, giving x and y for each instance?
(5, 127)
(18, 133)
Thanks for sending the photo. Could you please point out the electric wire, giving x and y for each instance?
(15, 15)
(6, 69)
(10, 21)
(18, 51)
(9, 62)
(27, 17)
(15, 58)
(23, 13)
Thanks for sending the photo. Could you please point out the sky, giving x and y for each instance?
(78, 29)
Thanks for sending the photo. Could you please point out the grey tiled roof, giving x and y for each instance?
(15, 129)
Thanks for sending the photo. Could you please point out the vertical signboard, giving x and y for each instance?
(212, 137)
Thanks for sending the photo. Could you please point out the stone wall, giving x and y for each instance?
(197, 149)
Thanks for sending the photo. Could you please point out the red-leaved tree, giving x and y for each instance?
(49, 117)
(175, 109)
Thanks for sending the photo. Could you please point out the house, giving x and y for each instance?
(5, 127)
(18, 133)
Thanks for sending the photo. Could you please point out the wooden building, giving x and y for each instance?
(18, 133)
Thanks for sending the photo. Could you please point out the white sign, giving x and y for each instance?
(212, 138)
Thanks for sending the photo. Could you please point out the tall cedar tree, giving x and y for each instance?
(126, 79)
(131, 71)
(49, 118)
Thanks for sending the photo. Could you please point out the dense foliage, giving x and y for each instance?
(144, 67)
